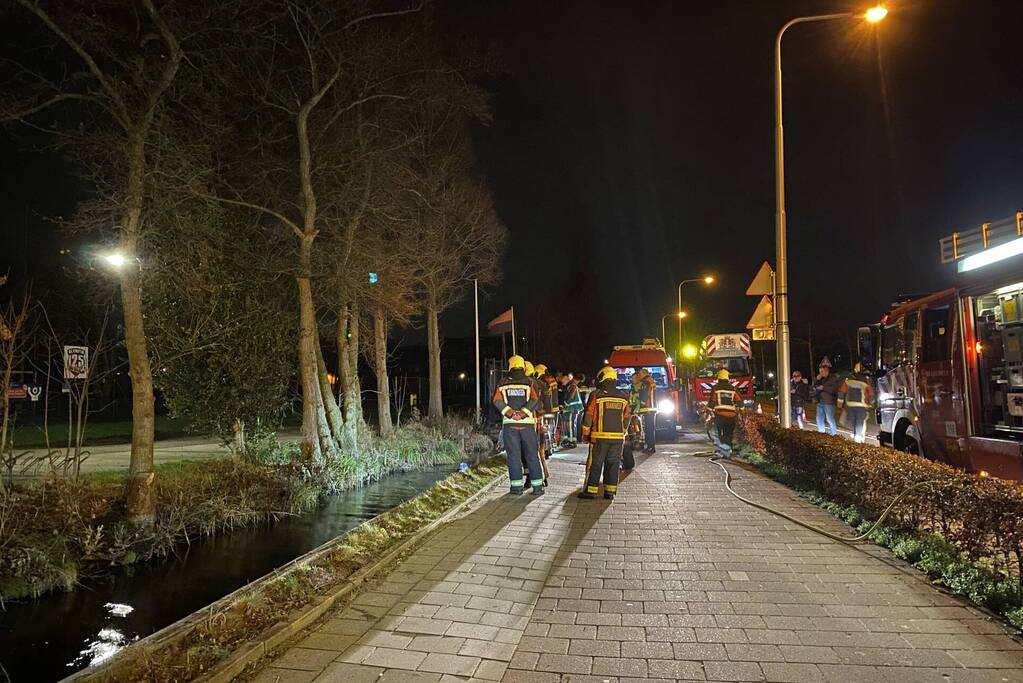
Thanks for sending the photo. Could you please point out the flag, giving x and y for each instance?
(502, 323)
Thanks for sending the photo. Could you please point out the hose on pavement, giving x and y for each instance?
(849, 540)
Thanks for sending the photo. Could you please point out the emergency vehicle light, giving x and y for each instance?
(992, 255)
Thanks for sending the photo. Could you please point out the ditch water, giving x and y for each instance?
(58, 634)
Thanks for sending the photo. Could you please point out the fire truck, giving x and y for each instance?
(949, 365)
(730, 352)
(627, 360)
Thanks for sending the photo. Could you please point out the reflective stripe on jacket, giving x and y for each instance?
(724, 399)
(607, 415)
(857, 392)
(646, 390)
(515, 398)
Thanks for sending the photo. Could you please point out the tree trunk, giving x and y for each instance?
(383, 382)
(141, 507)
(436, 410)
(316, 436)
(348, 367)
(334, 418)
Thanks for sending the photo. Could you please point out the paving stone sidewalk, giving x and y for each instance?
(675, 580)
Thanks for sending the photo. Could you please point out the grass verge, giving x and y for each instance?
(56, 531)
(212, 639)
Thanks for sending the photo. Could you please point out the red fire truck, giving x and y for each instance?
(627, 360)
(949, 365)
(730, 352)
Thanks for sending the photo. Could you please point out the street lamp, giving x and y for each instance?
(115, 259)
(680, 315)
(781, 298)
(707, 280)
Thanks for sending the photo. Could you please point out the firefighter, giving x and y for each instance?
(857, 396)
(571, 406)
(646, 390)
(516, 400)
(724, 405)
(604, 426)
(548, 407)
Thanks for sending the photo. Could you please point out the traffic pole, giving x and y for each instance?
(476, 298)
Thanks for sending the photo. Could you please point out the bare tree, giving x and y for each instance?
(118, 62)
(299, 74)
(15, 320)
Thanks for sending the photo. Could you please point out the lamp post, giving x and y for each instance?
(781, 282)
(707, 280)
(680, 315)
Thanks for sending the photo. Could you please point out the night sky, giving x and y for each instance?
(632, 146)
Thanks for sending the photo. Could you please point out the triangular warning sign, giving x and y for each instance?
(763, 316)
(763, 283)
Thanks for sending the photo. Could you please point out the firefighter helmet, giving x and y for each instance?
(722, 374)
(516, 363)
(540, 369)
(606, 373)
(529, 369)
(857, 368)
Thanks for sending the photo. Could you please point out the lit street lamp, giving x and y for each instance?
(781, 298)
(680, 315)
(707, 280)
(115, 259)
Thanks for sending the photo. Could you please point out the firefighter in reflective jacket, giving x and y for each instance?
(724, 407)
(857, 396)
(541, 450)
(604, 426)
(516, 400)
(646, 406)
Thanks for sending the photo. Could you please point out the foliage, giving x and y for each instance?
(962, 530)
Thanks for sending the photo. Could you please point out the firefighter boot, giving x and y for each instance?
(516, 490)
(609, 496)
(539, 490)
(586, 495)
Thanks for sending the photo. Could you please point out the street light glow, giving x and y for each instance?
(689, 351)
(876, 14)
(115, 259)
(682, 315)
(709, 280)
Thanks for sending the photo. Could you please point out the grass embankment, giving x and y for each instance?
(217, 636)
(965, 532)
(55, 531)
(96, 434)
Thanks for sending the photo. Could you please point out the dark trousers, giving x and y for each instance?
(726, 428)
(520, 446)
(650, 429)
(605, 459)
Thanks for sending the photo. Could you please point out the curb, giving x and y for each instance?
(174, 632)
(274, 636)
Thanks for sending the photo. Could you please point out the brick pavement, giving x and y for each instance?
(675, 580)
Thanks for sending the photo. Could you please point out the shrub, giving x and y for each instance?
(963, 530)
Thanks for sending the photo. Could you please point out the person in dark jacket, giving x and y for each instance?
(516, 400)
(826, 388)
(724, 405)
(799, 388)
(646, 406)
(604, 426)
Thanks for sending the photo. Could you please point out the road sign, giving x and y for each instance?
(763, 283)
(35, 392)
(76, 362)
(17, 392)
(763, 316)
(763, 334)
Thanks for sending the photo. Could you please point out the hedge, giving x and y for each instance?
(979, 519)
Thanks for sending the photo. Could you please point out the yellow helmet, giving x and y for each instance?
(529, 369)
(540, 369)
(516, 363)
(722, 374)
(605, 373)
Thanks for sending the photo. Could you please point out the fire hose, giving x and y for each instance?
(849, 540)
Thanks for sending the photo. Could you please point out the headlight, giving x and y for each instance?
(666, 406)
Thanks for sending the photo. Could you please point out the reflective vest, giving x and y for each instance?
(516, 395)
(856, 393)
(645, 392)
(607, 415)
(724, 401)
(574, 401)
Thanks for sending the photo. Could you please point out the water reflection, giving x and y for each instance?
(45, 639)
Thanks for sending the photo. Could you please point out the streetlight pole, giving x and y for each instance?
(680, 315)
(707, 280)
(781, 281)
